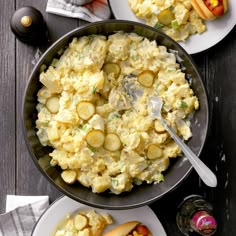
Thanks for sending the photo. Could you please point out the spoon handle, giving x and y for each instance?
(207, 176)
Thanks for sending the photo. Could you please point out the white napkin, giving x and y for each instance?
(97, 10)
(22, 212)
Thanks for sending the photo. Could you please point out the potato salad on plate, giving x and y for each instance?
(102, 136)
(83, 223)
(176, 18)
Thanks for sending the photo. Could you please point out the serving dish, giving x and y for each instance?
(216, 30)
(58, 210)
(144, 194)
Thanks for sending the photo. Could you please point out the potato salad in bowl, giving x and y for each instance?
(101, 136)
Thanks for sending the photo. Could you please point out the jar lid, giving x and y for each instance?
(204, 223)
(28, 25)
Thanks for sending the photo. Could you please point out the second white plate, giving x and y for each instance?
(60, 208)
(216, 30)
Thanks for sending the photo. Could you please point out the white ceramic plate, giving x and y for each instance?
(216, 30)
(60, 208)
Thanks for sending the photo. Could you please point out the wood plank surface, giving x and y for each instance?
(7, 104)
(29, 181)
(222, 70)
(218, 68)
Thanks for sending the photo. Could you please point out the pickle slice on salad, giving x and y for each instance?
(154, 152)
(95, 138)
(52, 104)
(110, 68)
(165, 17)
(146, 78)
(85, 110)
(112, 142)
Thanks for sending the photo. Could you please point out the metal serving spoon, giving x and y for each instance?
(207, 176)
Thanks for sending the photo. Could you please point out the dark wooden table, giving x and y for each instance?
(18, 174)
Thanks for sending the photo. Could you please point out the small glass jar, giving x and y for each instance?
(195, 217)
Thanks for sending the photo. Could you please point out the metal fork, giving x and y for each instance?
(207, 176)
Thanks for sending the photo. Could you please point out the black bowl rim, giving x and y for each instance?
(67, 35)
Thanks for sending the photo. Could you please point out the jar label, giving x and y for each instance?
(204, 223)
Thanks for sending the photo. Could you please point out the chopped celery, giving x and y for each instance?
(74, 132)
(174, 24)
(60, 52)
(46, 123)
(158, 25)
(92, 149)
(183, 104)
(149, 162)
(137, 181)
(113, 116)
(54, 62)
(94, 90)
(114, 182)
(161, 178)
(86, 128)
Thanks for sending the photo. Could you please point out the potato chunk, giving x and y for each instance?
(80, 221)
(69, 176)
(146, 78)
(112, 142)
(85, 110)
(97, 122)
(52, 104)
(95, 138)
(154, 152)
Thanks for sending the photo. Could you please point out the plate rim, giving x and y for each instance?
(193, 52)
(64, 200)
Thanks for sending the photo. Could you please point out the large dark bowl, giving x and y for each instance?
(141, 195)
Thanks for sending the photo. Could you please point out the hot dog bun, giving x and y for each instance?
(124, 229)
(226, 5)
(204, 12)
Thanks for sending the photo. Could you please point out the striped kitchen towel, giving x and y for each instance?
(22, 212)
(96, 10)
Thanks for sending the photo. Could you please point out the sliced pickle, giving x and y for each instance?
(146, 78)
(85, 110)
(110, 68)
(52, 104)
(154, 152)
(95, 138)
(165, 17)
(112, 142)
